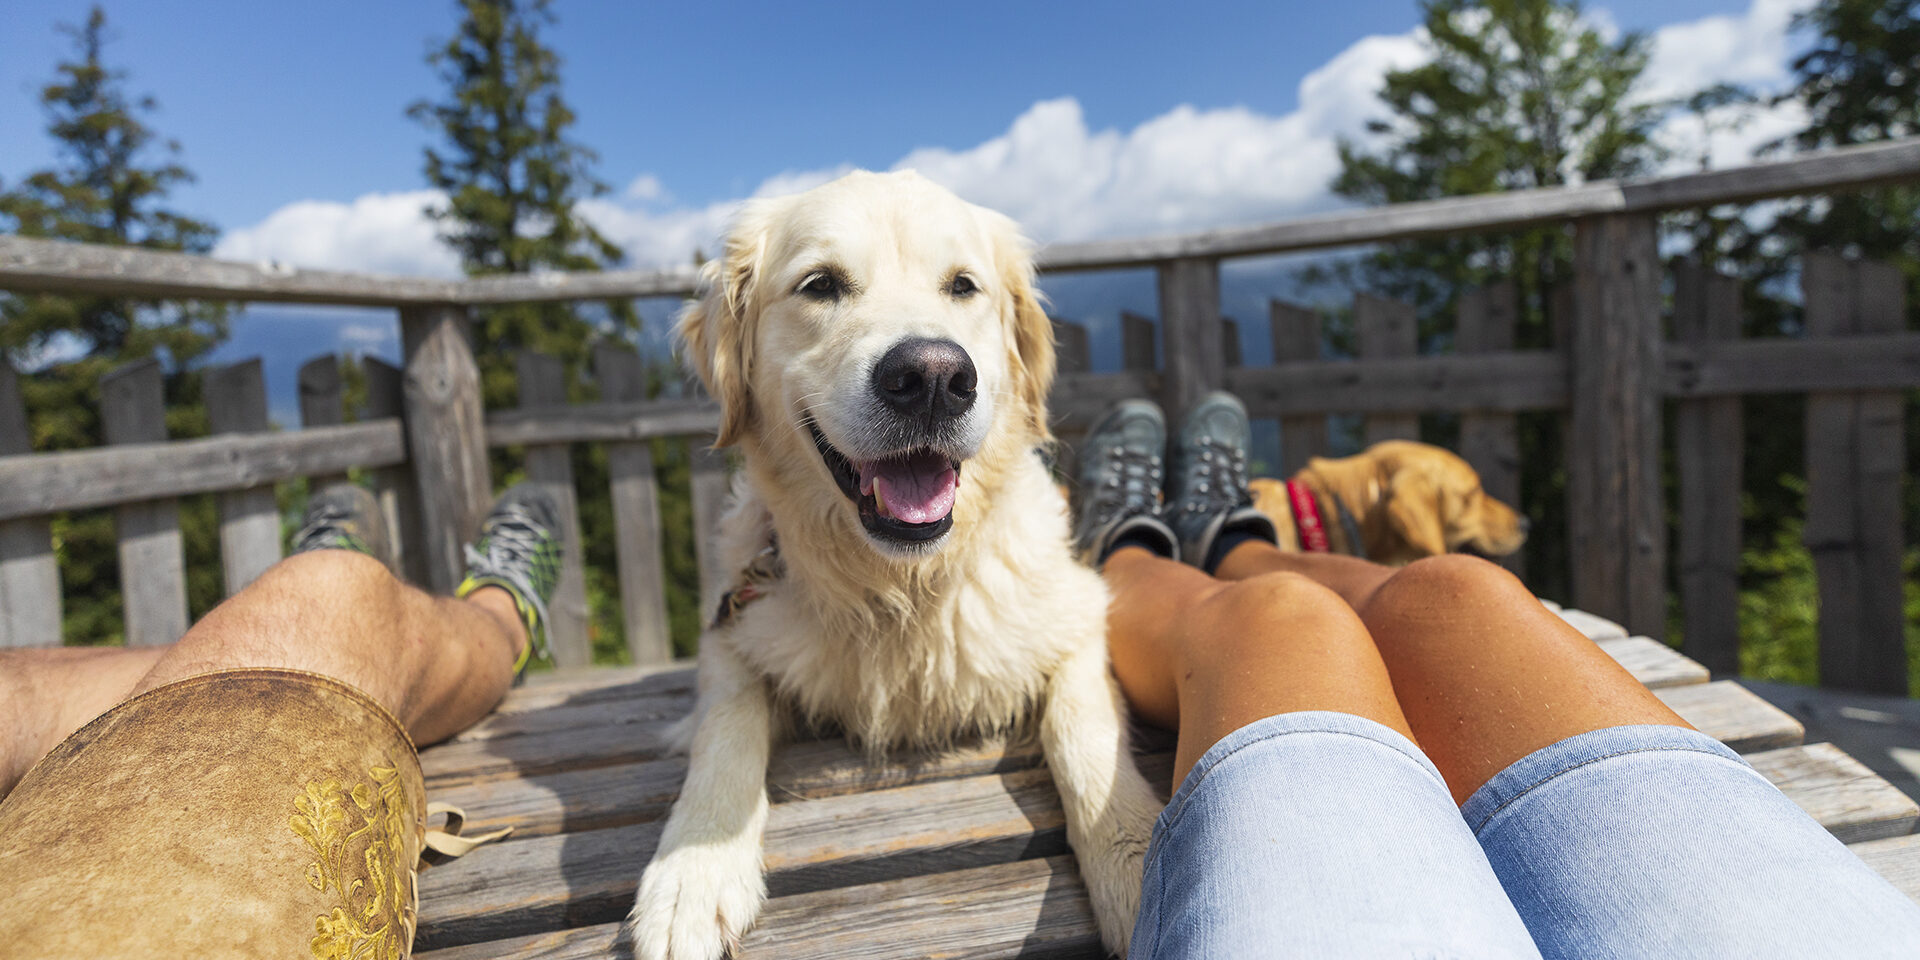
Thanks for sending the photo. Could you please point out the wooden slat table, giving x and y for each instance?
(861, 856)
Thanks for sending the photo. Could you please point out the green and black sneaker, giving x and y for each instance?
(519, 551)
(344, 516)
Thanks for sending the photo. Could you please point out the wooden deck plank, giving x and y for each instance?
(589, 877)
(1027, 909)
(1733, 715)
(1897, 859)
(598, 683)
(465, 761)
(615, 795)
(1653, 663)
(579, 715)
(1851, 801)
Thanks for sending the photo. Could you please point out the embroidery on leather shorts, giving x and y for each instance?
(366, 866)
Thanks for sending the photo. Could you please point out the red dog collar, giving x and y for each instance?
(1306, 518)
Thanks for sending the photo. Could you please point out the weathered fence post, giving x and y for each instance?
(236, 398)
(1229, 346)
(1707, 443)
(1189, 333)
(636, 513)
(1856, 453)
(153, 580)
(1136, 342)
(387, 397)
(1386, 328)
(1615, 520)
(543, 383)
(1489, 441)
(322, 404)
(446, 436)
(1073, 355)
(29, 572)
(1296, 339)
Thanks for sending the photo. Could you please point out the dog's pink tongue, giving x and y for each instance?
(918, 488)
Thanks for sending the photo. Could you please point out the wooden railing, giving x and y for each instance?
(1610, 375)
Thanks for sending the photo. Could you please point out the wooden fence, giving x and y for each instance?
(1610, 376)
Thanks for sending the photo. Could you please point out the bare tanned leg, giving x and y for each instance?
(1210, 657)
(1487, 675)
(437, 663)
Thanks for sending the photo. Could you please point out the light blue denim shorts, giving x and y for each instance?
(1319, 834)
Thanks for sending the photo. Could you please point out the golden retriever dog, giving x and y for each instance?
(882, 361)
(1405, 500)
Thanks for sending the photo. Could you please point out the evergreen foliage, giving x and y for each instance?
(512, 177)
(109, 185)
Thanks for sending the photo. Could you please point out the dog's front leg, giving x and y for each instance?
(704, 886)
(1110, 808)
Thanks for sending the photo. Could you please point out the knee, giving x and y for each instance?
(333, 571)
(1435, 586)
(341, 579)
(1274, 604)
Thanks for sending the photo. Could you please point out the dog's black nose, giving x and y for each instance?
(926, 378)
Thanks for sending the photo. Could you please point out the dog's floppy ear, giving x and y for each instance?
(718, 327)
(1413, 512)
(1029, 331)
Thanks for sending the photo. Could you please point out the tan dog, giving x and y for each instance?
(882, 362)
(1407, 500)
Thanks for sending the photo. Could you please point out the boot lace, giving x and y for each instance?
(1129, 484)
(1216, 478)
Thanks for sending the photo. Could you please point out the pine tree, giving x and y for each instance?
(109, 185)
(512, 177)
(1518, 94)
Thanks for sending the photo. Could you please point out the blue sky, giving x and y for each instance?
(1080, 120)
(278, 102)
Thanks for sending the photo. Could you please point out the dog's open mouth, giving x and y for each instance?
(905, 497)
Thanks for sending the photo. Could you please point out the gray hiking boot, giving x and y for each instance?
(1208, 494)
(1121, 472)
(345, 516)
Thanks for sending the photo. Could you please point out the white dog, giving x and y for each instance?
(882, 361)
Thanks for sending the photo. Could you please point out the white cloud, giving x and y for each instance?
(646, 188)
(376, 233)
(365, 336)
(1750, 50)
(1188, 168)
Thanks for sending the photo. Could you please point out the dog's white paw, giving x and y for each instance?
(696, 901)
(1112, 864)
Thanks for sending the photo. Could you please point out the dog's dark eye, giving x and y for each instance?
(821, 286)
(961, 287)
